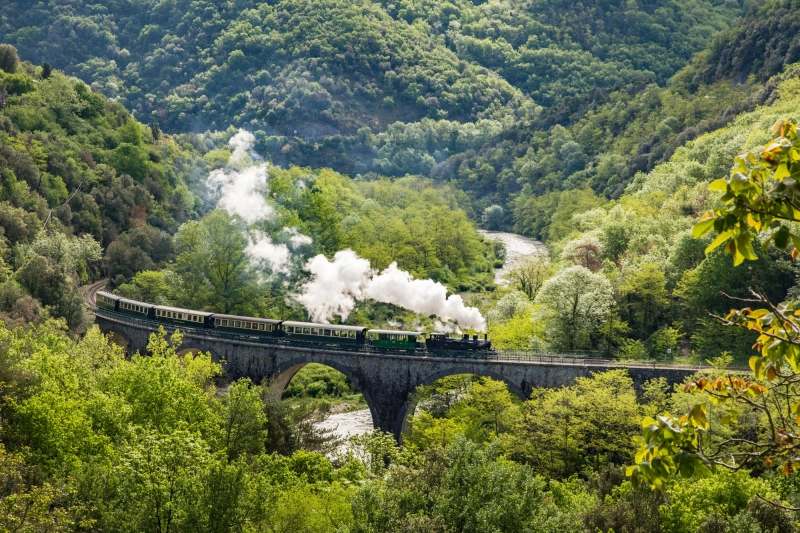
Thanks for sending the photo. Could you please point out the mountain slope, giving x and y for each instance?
(326, 67)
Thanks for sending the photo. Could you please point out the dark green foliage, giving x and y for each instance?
(760, 45)
(326, 83)
(9, 60)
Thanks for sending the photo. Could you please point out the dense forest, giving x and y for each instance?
(222, 155)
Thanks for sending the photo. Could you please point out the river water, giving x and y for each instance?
(352, 423)
(517, 249)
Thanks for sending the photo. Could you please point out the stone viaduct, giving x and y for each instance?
(387, 381)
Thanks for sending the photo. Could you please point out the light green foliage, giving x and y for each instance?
(481, 409)
(575, 302)
(319, 381)
(244, 430)
(73, 255)
(578, 428)
(633, 349)
(27, 508)
(146, 286)
(529, 274)
(520, 332)
(724, 493)
(469, 489)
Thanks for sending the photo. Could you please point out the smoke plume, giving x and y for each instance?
(336, 285)
(242, 190)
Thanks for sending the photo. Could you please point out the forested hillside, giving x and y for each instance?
(274, 158)
(451, 90)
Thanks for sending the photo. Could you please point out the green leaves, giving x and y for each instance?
(762, 192)
(669, 447)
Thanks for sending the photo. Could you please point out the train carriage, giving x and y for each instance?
(135, 308)
(183, 317)
(245, 325)
(324, 333)
(394, 340)
(107, 300)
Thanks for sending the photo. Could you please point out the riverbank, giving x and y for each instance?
(517, 248)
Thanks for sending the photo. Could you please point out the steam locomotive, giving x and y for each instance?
(290, 330)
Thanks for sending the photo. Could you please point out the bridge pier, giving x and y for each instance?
(387, 381)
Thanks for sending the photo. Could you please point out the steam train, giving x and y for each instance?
(292, 331)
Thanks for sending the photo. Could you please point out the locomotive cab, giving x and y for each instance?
(442, 341)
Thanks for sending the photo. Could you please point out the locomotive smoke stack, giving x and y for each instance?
(475, 337)
(466, 336)
(486, 336)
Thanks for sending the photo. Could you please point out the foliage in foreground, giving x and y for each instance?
(758, 206)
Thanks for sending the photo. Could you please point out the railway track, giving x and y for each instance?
(91, 292)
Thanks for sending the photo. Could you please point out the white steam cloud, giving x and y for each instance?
(242, 189)
(336, 285)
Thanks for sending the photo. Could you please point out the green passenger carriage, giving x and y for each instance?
(106, 300)
(324, 333)
(245, 325)
(185, 317)
(394, 340)
(135, 308)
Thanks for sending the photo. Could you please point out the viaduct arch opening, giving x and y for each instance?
(120, 340)
(410, 406)
(289, 370)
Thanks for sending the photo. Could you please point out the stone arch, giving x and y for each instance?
(287, 371)
(120, 339)
(410, 404)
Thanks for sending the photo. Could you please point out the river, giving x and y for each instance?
(346, 424)
(517, 249)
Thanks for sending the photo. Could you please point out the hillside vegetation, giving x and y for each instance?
(451, 90)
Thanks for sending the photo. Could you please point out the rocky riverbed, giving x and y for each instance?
(517, 249)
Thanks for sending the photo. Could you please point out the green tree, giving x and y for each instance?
(244, 430)
(577, 301)
(212, 265)
(644, 299)
(9, 60)
(579, 428)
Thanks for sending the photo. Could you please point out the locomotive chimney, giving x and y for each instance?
(475, 337)
(486, 336)
(466, 336)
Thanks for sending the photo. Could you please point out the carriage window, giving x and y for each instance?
(327, 332)
(336, 333)
(261, 327)
(307, 331)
